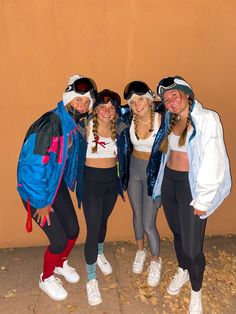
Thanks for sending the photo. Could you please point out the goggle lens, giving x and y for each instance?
(135, 87)
(82, 86)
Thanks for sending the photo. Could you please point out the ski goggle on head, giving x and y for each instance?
(107, 95)
(176, 82)
(137, 87)
(82, 86)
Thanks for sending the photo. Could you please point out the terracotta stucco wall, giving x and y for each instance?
(112, 41)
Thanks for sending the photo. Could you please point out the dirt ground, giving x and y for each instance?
(122, 291)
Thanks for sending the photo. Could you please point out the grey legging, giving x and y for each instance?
(144, 208)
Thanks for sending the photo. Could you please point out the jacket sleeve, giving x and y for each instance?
(39, 154)
(211, 161)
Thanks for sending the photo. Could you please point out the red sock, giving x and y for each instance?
(50, 262)
(66, 252)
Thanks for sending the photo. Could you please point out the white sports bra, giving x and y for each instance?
(144, 145)
(106, 147)
(174, 142)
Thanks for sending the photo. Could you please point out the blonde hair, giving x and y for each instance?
(136, 120)
(95, 131)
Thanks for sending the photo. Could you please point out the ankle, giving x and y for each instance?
(100, 248)
(91, 271)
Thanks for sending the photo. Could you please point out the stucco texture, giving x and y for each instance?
(114, 42)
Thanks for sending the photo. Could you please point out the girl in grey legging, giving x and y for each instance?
(143, 129)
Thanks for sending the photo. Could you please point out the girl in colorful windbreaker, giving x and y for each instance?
(193, 179)
(47, 168)
(106, 152)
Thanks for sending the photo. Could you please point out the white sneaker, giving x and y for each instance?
(139, 261)
(52, 286)
(68, 272)
(93, 293)
(177, 282)
(154, 273)
(104, 265)
(195, 305)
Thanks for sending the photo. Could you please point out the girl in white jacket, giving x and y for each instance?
(193, 180)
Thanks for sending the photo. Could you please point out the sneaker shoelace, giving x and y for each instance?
(139, 258)
(93, 289)
(68, 269)
(178, 277)
(55, 282)
(153, 268)
(103, 259)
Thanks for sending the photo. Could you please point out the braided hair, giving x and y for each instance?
(95, 131)
(136, 120)
(164, 145)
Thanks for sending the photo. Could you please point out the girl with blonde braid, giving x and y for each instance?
(193, 180)
(144, 126)
(101, 183)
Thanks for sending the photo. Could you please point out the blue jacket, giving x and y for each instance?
(123, 156)
(45, 157)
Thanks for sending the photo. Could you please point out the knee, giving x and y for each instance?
(149, 230)
(74, 232)
(194, 257)
(58, 246)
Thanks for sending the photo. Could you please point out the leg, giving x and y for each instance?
(109, 200)
(192, 230)
(135, 193)
(93, 215)
(171, 210)
(149, 221)
(135, 197)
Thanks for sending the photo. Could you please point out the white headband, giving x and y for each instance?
(147, 95)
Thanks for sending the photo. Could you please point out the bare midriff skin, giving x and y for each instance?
(100, 162)
(178, 161)
(141, 155)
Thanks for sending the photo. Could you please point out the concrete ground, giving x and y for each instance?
(123, 291)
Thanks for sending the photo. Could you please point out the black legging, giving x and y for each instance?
(100, 191)
(64, 222)
(188, 229)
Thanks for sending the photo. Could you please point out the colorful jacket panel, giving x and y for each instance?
(44, 157)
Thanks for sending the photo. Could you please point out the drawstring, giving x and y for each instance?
(96, 140)
(29, 227)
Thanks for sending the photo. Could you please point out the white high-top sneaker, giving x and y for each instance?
(69, 273)
(93, 293)
(104, 265)
(139, 261)
(154, 273)
(52, 286)
(177, 282)
(195, 305)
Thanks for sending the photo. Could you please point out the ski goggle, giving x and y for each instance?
(136, 87)
(107, 95)
(171, 83)
(82, 86)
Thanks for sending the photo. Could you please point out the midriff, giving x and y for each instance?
(178, 161)
(141, 155)
(100, 162)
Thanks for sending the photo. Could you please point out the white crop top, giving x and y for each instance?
(144, 145)
(106, 147)
(174, 140)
